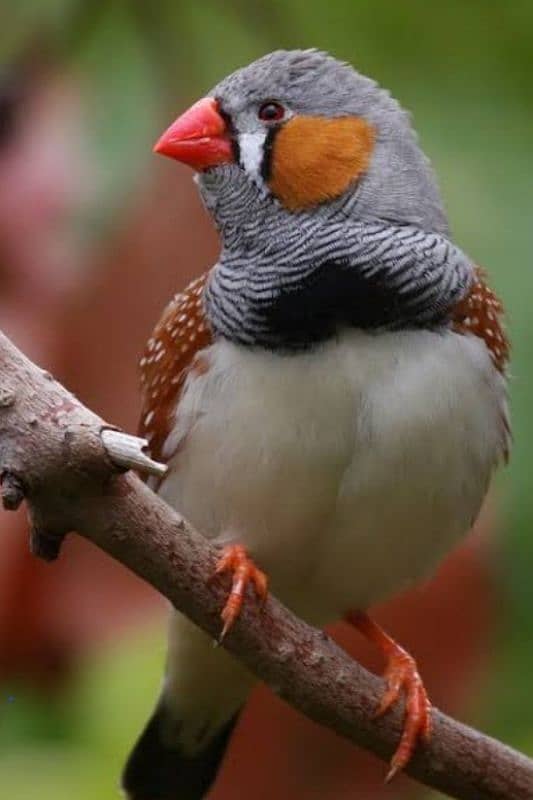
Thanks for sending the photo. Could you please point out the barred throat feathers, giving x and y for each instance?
(289, 280)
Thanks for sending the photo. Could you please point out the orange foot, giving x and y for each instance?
(235, 559)
(401, 674)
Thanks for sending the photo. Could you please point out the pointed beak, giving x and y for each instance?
(199, 137)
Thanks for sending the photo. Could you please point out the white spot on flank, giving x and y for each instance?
(149, 417)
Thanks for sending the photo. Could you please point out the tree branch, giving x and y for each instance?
(59, 456)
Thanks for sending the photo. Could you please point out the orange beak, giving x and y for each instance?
(199, 137)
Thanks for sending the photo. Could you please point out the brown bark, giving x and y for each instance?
(52, 454)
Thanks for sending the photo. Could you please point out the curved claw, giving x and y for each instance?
(402, 676)
(235, 559)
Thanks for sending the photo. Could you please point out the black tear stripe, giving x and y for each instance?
(234, 139)
(235, 147)
(268, 148)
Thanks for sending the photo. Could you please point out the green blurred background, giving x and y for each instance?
(124, 70)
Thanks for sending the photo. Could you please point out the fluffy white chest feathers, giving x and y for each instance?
(347, 471)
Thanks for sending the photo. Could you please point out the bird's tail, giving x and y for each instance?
(157, 770)
(179, 752)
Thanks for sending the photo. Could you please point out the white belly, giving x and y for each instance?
(348, 471)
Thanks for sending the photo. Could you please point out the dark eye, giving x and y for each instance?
(271, 111)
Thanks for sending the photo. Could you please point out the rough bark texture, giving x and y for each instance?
(52, 455)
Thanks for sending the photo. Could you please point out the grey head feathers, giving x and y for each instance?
(399, 186)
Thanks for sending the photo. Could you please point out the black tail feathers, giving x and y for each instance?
(157, 771)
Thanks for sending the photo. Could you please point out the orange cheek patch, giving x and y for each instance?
(315, 159)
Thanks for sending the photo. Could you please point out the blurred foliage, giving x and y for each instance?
(464, 70)
(76, 742)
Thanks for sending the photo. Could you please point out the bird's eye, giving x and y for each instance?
(271, 111)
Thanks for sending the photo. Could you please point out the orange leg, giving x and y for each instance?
(235, 559)
(401, 674)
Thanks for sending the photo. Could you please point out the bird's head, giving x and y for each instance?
(308, 131)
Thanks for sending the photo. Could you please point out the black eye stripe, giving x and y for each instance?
(236, 149)
(232, 130)
(268, 147)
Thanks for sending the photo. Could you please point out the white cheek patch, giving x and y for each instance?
(251, 146)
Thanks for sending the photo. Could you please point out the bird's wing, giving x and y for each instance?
(171, 351)
(480, 313)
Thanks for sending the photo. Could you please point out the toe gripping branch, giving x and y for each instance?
(235, 559)
(401, 675)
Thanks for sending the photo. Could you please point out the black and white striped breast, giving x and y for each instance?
(311, 281)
